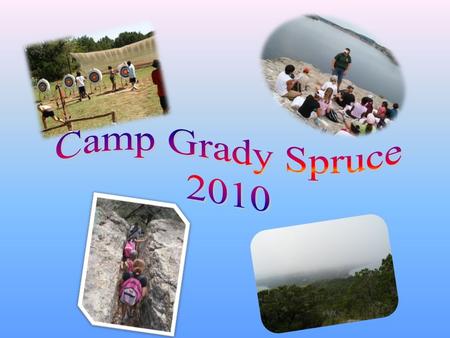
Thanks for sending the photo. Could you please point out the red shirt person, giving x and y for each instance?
(158, 81)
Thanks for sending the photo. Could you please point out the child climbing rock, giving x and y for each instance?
(128, 264)
(132, 290)
(130, 246)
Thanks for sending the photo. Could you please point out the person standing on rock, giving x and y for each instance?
(341, 65)
(285, 83)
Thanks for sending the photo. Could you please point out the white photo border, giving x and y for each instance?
(173, 206)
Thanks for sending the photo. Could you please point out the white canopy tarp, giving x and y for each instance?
(141, 52)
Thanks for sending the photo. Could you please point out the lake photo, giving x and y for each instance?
(306, 56)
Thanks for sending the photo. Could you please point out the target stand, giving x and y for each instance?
(69, 84)
(124, 74)
(43, 87)
(95, 77)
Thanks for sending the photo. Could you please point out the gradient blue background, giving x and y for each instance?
(210, 54)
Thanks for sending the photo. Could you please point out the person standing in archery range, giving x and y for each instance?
(158, 81)
(341, 65)
(81, 88)
(132, 75)
(112, 77)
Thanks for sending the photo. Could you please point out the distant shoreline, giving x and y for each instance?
(358, 36)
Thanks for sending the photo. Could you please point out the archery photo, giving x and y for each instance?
(93, 81)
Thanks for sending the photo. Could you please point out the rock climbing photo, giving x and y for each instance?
(332, 76)
(133, 264)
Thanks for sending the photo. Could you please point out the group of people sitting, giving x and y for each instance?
(134, 285)
(328, 101)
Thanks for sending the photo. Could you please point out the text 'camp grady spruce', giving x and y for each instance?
(184, 142)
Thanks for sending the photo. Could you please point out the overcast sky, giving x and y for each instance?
(319, 246)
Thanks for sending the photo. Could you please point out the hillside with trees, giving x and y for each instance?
(365, 295)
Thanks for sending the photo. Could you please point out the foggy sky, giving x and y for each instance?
(359, 241)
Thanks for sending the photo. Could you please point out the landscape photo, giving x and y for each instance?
(324, 274)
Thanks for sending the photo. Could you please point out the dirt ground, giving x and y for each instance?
(128, 105)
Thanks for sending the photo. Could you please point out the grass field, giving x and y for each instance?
(128, 105)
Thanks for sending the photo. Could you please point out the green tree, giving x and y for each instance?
(369, 293)
(86, 44)
(105, 43)
(49, 60)
(125, 38)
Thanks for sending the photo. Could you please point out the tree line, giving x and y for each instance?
(365, 295)
(51, 60)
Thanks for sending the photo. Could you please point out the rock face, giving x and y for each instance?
(161, 252)
(100, 290)
(273, 67)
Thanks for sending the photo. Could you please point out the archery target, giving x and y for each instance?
(69, 81)
(123, 71)
(95, 75)
(43, 85)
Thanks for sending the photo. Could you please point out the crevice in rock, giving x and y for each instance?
(161, 252)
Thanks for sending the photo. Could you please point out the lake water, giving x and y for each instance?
(317, 43)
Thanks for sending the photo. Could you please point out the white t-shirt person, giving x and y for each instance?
(80, 81)
(132, 71)
(281, 83)
(331, 85)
